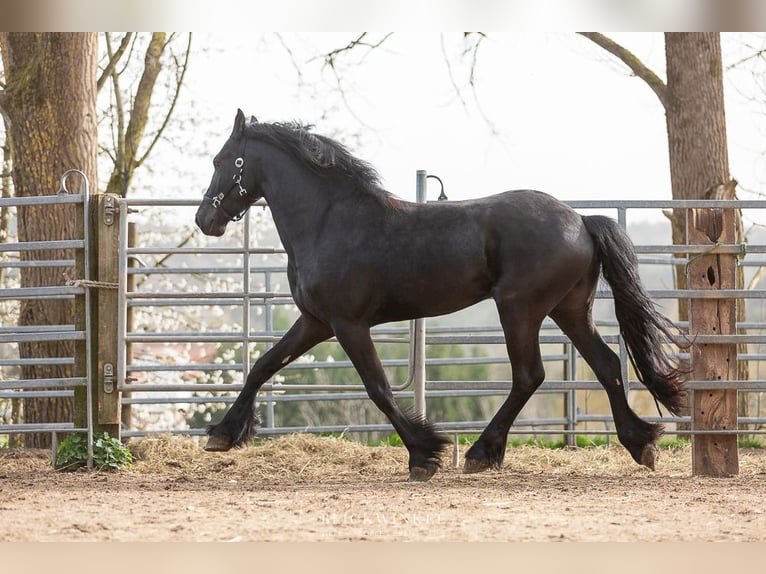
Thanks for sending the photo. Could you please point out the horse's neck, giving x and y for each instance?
(303, 210)
(297, 209)
(304, 204)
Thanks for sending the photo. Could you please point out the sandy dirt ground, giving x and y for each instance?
(305, 488)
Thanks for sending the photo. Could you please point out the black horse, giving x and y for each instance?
(358, 256)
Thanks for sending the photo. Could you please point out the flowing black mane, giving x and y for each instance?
(321, 154)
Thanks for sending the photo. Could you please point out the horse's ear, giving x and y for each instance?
(239, 124)
(253, 120)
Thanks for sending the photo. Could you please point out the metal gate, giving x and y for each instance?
(74, 285)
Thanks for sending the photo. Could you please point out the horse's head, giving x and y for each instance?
(233, 188)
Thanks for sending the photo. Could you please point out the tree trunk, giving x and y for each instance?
(696, 120)
(696, 124)
(50, 107)
(699, 169)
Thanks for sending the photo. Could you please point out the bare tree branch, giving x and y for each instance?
(290, 53)
(113, 59)
(629, 59)
(474, 40)
(182, 68)
(118, 132)
(451, 75)
(125, 165)
(331, 57)
(474, 51)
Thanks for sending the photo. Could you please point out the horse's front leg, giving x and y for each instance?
(422, 441)
(240, 422)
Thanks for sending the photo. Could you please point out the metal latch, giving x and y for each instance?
(108, 378)
(109, 209)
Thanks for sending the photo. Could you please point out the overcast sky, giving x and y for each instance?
(550, 111)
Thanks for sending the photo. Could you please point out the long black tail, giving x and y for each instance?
(641, 325)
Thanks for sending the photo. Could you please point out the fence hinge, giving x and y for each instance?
(109, 209)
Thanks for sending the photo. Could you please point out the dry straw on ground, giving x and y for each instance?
(300, 457)
(309, 458)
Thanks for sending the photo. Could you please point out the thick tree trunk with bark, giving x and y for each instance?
(699, 169)
(695, 115)
(49, 105)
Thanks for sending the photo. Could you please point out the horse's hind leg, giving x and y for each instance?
(420, 438)
(522, 342)
(239, 424)
(636, 435)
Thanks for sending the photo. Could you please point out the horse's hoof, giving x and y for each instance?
(473, 465)
(218, 444)
(421, 473)
(650, 455)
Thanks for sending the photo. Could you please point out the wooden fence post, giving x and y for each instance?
(105, 215)
(712, 409)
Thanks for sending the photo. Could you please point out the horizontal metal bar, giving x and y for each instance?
(35, 394)
(40, 427)
(721, 248)
(43, 245)
(35, 337)
(37, 263)
(224, 295)
(210, 250)
(36, 328)
(707, 293)
(53, 199)
(205, 270)
(41, 292)
(166, 202)
(666, 204)
(43, 383)
(38, 361)
(205, 302)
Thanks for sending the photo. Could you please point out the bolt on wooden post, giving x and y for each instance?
(105, 215)
(713, 409)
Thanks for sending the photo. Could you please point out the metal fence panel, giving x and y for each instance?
(13, 386)
(163, 385)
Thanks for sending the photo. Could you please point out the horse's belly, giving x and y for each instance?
(440, 296)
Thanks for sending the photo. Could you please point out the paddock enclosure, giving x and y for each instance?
(167, 323)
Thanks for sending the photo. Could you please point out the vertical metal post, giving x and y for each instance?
(125, 349)
(418, 326)
(622, 220)
(122, 297)
(269, 328)
(86, 270)
(246, 299)
(570, 396)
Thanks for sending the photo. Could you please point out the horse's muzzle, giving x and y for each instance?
(206, 221)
